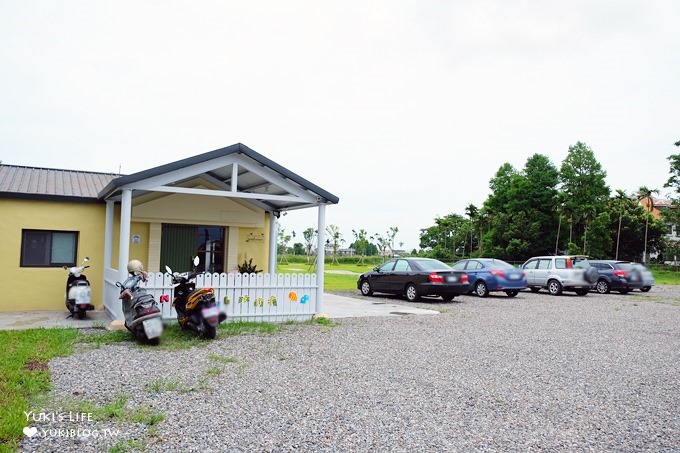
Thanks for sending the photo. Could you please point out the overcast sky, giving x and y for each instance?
(404, 109)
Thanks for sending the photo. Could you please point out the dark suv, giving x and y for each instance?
(621, 276)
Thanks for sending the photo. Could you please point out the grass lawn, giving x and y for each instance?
(666, 277)
(337, 277)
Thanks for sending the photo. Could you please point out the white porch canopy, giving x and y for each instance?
(235, 172)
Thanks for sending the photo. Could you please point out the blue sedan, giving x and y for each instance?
(489, 274)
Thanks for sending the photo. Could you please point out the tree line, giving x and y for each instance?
(537, 210)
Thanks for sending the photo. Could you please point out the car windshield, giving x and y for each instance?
(499, 264)
(625, 266)
(432, 265)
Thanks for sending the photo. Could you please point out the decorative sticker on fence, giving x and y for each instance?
(304, 299)
(292, 296)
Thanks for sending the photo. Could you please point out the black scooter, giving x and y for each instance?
(196, 308)
(78, 291)
(142, 316)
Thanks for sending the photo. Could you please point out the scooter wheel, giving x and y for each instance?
(80, 314)
(209, 332)
(154, 341)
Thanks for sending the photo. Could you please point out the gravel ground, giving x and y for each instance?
(534, 372)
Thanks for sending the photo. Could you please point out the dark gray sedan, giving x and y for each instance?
(413, 278)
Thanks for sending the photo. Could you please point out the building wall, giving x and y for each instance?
(43, 288)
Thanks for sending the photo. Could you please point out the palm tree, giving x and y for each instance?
(644, 193)
(619, 200)
(472, 212)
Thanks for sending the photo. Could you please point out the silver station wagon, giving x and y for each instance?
(560, 273)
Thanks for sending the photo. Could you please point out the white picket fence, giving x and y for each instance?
(251, 297)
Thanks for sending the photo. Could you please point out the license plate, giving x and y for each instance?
(210, 312)
(153, 327)
(513, 277)
(452, 278)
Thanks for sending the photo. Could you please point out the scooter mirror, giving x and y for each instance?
(168, 270)
(196, 261)
(65, 267)
(86, 259)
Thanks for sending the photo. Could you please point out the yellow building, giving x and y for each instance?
(222, 205)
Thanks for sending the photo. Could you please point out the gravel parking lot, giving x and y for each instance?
(534, 372)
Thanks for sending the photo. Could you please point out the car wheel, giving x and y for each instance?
(512, 292)
(644, 289)
(534, 289)
(602, 287)
(412, 293)
(480, 289)
(366, 289)
(554, 288)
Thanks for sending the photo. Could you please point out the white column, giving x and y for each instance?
(320, 254)
(273, 236)
(124, 246)
(108, 247)
(108, 233)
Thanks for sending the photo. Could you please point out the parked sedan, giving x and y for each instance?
(413, 278)
(489, 274)
(621, 276)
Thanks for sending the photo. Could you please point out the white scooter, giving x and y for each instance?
(78, 291)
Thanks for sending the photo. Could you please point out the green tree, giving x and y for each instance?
(383, 243)
(618, 204)
(282, 245)
(392, 233)
(298, 248)
(334, 239)
(473, 215)
(446, 238)
(673, 215)
(360, 244)
(583, 182)
(309, 236)
(521, 210)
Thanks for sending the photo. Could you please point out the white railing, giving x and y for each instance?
(251, 297)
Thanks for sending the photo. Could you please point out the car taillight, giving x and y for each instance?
(464, 279)
(498, 273)
(435, 278)
(620, 273)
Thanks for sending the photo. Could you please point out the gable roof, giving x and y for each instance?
(40, 183)
(235, 171)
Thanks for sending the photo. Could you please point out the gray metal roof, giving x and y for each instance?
(34, 182)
